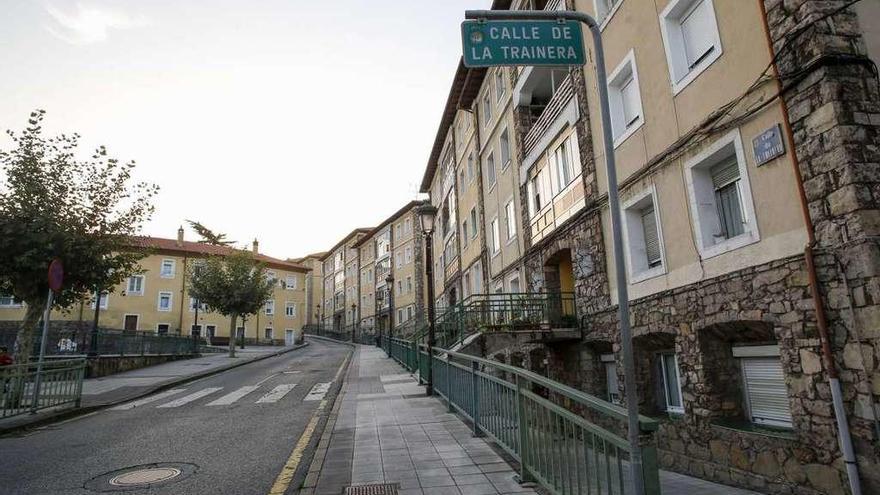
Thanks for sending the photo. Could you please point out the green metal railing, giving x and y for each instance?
(60, 385)
(63, 342)
(568, 441)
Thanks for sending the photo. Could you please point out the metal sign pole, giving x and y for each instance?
(38, 378)
(614, 206)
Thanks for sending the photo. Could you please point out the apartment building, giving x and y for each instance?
(156, 298)
(340, 269)
(314, 285)
(391, 288)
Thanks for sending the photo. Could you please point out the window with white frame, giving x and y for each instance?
(473, 222)
(409, 312)
(669, 378)
(269, 334)
(612, 385)
(409, 284)
(499, 83)
(604, 8)
(290, 309)
(407, 255)
(398, 257)
(470, 167)
(290, 282)
(490, 169)
(270, 307)
(513, 284)
(193, 303)
(511, 220)
(10, 302)
(487, 109)
(167, 269)
(721, 198)
(504, 144)
(105, 300)
(407, 226)
(399, 316)
(165, 301)
(135, 285)
(477, 278)
(691, 39)
(764, 385)
(400, 287)
(496, 237)
(625, 99)
(565, 162)
(271, 276)
(643, 237)
(539, 191)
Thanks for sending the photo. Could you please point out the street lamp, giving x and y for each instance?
(389, 282)
(353, 319)
(427, 212)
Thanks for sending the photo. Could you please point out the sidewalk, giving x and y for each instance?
(129, 385)
(384, 430)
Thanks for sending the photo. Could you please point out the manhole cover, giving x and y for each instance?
(383, 489)
(141, 477)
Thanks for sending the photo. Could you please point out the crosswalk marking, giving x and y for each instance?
(234, 396)
(147, 400)
(276, 393)
(191, 397)
(318, 391)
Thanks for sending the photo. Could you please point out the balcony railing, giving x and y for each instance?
(540, 118)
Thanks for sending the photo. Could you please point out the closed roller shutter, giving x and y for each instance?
(765, 388)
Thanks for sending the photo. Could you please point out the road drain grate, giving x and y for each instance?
(383, 489)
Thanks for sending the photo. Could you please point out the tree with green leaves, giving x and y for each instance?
(208, 236)
(234, 285)
(56, 205)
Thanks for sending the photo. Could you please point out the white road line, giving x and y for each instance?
(230, 398)
(276, 393)
(147, 400)
(318, 392)
(191, 397)
(267, 378)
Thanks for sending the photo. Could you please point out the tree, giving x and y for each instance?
(234, 285)
(208, 236)
(54, 205)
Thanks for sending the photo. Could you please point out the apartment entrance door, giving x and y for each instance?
(288, 337)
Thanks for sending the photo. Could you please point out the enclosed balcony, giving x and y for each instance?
(542, 95)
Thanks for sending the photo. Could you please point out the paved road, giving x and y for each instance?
(237, 428)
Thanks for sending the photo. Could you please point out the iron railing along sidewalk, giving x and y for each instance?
(60, 385)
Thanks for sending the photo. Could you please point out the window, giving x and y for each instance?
(499, 83)
(407, 255)
(407, 226)
(400, 287)
(644, 254)
(624, 99)
(268, 334)
(135, 285)
(409, 284)
(239, 332)
(513, 284)
(398, 231)
(671, 383)
(473, 222)
(490, 169)
(167, 270)
(721, 198)
(290, 309)
(470, 167)
(487, 109)
(192, 305)
(409, 312)
(565, 163)
(496, 238)
(270, 307)
(270, 276)
(105, 300)
(477, 278)
(605, 9)
(400, 316)
(162, 328)
(504, 144)
(764, 385)
(10, 302)
(165, 301)
(398, 256)
(612, 386)
(290, 282)
(691, 39)
(511, 220)
(464, 234)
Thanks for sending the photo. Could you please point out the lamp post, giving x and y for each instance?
(426, 213)
(389, 282)
(93, 344)
(353, 319)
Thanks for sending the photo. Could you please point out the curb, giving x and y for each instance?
(81, 411)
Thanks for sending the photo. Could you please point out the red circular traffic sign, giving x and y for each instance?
(56, 275)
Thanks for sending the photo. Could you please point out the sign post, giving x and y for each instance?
(531, 28)
(56, 277)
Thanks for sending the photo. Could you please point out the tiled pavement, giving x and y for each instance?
(387, 431)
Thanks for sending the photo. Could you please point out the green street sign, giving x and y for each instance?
(491, 43)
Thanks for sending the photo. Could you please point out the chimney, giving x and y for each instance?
(180, 236)
(256, 247)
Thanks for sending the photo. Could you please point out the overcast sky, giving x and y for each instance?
(291, 121)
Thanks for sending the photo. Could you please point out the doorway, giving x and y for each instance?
(289, 337)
